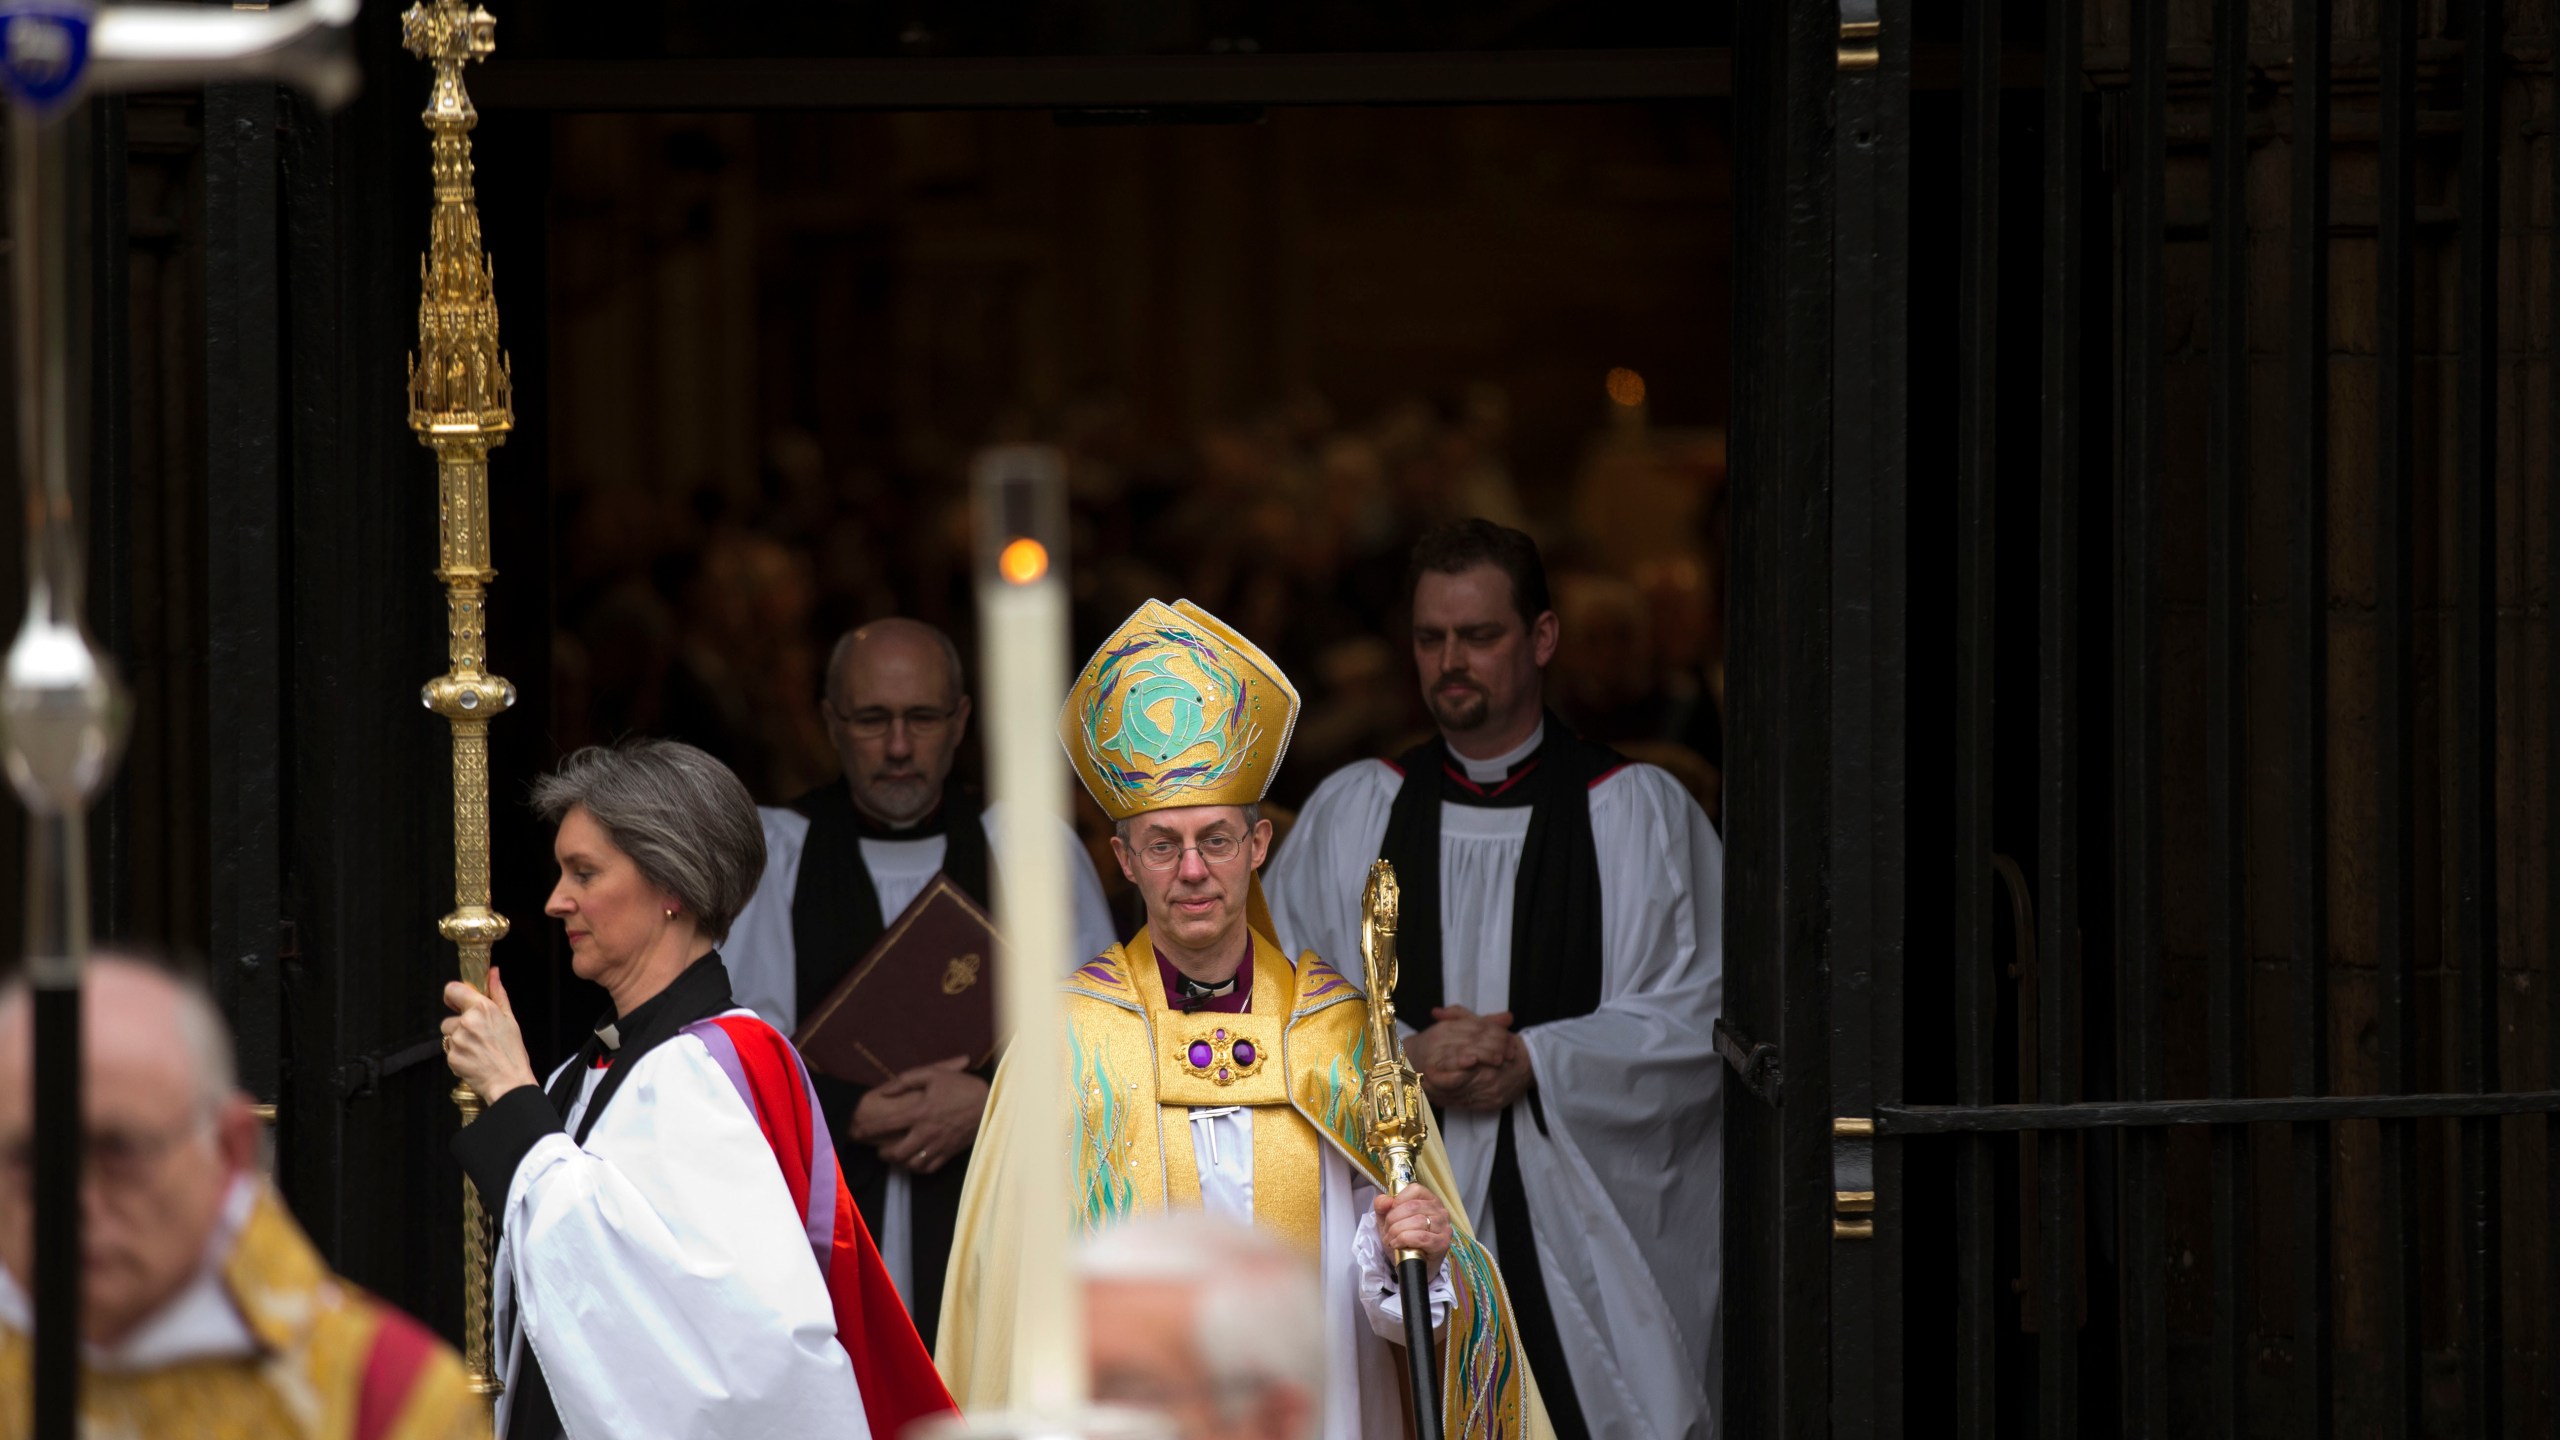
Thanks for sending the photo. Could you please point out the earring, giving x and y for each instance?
(671, 912)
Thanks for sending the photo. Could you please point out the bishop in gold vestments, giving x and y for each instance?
(1232, 1085)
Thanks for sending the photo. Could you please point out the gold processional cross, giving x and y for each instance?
(461, 403)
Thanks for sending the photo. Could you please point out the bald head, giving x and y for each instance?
(133, 1013)
(895, 642)
(167, 1132)
(896, 710)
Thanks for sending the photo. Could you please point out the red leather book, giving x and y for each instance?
(924, 992)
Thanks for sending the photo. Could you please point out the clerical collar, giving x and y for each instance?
(610, 1033)
(931, 825)
(1503, 766)
(1231, 996)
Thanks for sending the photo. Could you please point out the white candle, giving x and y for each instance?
(1022, 627)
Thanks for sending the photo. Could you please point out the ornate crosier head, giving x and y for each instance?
(1378, 902)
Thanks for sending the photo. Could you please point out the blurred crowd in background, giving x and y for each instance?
(710, 622)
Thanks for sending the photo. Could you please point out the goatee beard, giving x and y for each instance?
(1461, 711)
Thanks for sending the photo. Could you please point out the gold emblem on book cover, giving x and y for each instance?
(961, 974)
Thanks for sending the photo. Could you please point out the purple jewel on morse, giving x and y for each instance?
(1244, 1052)
(1218, 1035)
(1201, 1055)
(1222, 1072)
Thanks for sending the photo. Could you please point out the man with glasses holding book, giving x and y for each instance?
(845, 864)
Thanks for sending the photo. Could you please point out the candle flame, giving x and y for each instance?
(1023, 561)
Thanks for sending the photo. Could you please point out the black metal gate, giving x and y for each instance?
(2145, 691)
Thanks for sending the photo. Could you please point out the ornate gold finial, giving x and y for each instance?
(459, 380)
(461, 403)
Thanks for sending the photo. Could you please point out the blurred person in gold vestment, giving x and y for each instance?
(205, 1312)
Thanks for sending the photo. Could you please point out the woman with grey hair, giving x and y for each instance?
(678, 1255)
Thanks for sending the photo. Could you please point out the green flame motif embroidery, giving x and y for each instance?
(1346, 1105)
(1482, 1383)
(1102, 1120)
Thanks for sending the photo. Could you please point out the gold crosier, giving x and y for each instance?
(460, 403)
(1397, 1130)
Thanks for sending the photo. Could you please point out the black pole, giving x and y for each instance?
(57, 1277)
(1422, 1357)
(54, 978)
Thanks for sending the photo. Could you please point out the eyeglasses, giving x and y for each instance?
(869, 724)
(112, 1157)
(1215, 849)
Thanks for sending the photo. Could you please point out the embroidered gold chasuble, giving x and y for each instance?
(1138, 1066)
(333, 1364)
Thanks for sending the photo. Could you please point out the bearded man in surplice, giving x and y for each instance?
(1562, 934)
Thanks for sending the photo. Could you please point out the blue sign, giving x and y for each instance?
(44, 45)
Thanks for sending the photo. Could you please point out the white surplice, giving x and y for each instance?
(1624, 1182)
(662, 1274)
(763, 957)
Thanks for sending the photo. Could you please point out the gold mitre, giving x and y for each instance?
(1176, 708)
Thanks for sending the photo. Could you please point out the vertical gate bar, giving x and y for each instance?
(1778, 1203)
(2551, 860)
(2307, 441)
(2226, 710)
(2144, 1327)
(1889, 416)
(1855, 744)
(244, 572)
(1868, 557)
(1977, 490)
(2551, 874)
(1804, 477)
(2475, 714)
(2058, 745)
(2395, 697)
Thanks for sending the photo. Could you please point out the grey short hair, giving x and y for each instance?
(201, 1027)
(1217, 1258)
(682, 817)
(1252, 817)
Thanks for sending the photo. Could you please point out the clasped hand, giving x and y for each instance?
(1470, 1061)
(921, 1119)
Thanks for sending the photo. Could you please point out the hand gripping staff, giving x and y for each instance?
(1398, 1129)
